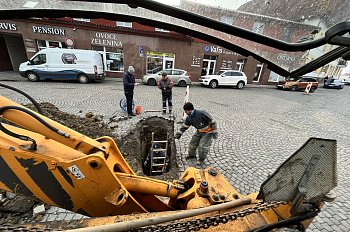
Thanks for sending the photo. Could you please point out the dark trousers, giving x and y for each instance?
(168, 98)
(129, 96)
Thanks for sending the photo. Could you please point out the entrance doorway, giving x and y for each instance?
(12, 52)
(208, 66)
(5, 61)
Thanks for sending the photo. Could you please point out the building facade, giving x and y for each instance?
(146, 48)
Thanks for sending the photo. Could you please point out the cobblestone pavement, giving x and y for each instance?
(258, 128)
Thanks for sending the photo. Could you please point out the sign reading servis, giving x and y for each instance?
(8, 26)
(48, 30)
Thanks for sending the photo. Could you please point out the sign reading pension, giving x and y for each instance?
(106, 39)
(48, 30)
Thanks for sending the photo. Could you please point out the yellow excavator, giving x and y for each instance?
(44, 159)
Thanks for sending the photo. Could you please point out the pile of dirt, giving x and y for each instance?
(93, 126)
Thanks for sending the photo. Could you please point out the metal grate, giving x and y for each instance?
(310, 172)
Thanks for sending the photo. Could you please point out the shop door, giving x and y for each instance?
(208, 67)
(168, 64)
(5, 61)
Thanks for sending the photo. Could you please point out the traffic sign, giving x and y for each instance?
(70, 42)
(141, 49)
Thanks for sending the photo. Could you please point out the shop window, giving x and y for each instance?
(157, 61)
(208, 57)
(258, 71)
(42, 44)
(240, 65)
(124, 24)
(39, 59)
(196, 61)
(226, 64)
(113, 58)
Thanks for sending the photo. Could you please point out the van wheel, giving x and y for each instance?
(32, 76)
(151, 82)
(182, 84)
(213, 84)
(295, 88)
(240, 85)
(82, 78)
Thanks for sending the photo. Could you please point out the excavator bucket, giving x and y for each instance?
(307, 176)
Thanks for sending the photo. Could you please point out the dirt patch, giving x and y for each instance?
(134, 146)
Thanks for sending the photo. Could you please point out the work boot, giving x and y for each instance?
(200, 164)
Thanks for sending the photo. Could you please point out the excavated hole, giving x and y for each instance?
(139, 142)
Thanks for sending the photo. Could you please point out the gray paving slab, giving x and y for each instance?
(259, 127)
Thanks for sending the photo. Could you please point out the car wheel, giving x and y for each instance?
(294, 88)
(32, 76)
(182, 83)
(82, 78)
(151, 81)
(213, 84)
(240, 85)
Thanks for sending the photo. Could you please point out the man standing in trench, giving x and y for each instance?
(202, 139)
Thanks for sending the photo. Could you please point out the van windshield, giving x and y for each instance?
(39, 59)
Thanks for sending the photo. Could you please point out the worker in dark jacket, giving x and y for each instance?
(129, 83)
(166, 85)
(206, 131)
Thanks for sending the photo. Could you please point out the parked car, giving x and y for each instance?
(346, 82)
(300, 84)
(179, 77)
(288, 79)
(64, 64)
(333, 84)
(225, 78)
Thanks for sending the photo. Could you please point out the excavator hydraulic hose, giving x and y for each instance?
(129, 225)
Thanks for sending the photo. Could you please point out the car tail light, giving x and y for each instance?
(95, 68)
(189, 76)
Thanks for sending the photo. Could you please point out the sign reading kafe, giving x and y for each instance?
(106, 39)
(48, 30)
(8, 26)
(217, 49)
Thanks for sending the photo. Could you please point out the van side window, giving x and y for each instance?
(39, 59)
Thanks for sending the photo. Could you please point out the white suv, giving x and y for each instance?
(225, 78)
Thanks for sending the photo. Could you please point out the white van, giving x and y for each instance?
(60, 63)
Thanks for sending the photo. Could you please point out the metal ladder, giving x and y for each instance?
(158, 155)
